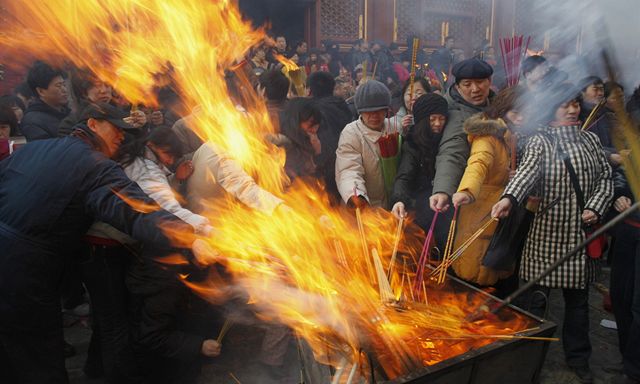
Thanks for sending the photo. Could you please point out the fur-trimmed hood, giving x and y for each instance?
(480, 125)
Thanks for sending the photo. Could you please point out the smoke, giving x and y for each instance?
(578, 30)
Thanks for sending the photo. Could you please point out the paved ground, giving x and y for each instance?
(242, 342)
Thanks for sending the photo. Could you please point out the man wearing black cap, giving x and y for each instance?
(50, 192)
(469, 95)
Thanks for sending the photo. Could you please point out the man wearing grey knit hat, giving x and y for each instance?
(358, 172)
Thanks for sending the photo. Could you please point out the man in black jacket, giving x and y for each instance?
(44, 114)
(50, 192)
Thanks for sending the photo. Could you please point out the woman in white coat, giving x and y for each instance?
(358, 169)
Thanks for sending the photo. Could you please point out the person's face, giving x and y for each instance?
(344, 72)
(109, 133)
(260, 54)
(295, 58)
(514, 117)
(376, 47)
(593, 94)
(364, 47)
(568, 112)
(5, 131)
(474, 91)
(302, 48)
(281, 43)
(55, 94)
(313, 57)
(310, 127)
(375, 119)
(99, 93)
(163, 154)
(418, 90)
(437, 122)
(359, 75)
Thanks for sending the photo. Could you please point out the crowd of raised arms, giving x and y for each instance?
(538, 156)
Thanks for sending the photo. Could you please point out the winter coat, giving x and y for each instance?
(557, 229)
(152, 177)
(453, 151)
(50, 192)
(216, 175)
(484, 179)
(358, 164)
(41, 121)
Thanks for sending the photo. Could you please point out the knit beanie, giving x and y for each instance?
(429, 104)
(372, 96)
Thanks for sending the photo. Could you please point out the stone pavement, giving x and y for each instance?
(241, 341)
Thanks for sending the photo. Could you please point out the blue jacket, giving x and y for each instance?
(50, 192)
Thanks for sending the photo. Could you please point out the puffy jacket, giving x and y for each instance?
(485, 177)
(41, 121)
(358, 164)
(50, 192)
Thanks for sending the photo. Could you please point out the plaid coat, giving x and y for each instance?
(558, 227)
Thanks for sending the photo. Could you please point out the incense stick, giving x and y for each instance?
(363, 238)
(386, 293)
(508, 337)
(373, 73)
(396, 243)
(424, 255)
(458, 252)
(412, 76)
(234, 378)
(448, 248)
(352, 374)
(225, 328)
(596, 109)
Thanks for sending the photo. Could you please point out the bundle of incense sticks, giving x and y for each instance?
(225, 328)
(389, 144)
(442, 272)
(424, 256)
(512, 54)
(396, 244)
(442, 268)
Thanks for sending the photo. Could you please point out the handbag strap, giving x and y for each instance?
(573, 177)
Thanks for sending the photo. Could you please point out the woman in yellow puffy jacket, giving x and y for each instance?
(482, 184)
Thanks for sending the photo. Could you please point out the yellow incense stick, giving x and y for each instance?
(593, 113)
(234, 378)
(365, 248)
(414, 58)
(396, 243)
(386, 293)
(225, 328)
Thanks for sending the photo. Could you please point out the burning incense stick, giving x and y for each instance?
(386, 293)
(363, 239)
(234, 378)
(424, 255)
(225, 328)
(507, 337)
(373, 73)
(396, 243)
(339, 371)
(352, 374)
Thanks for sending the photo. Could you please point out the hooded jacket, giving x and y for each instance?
(41, 121)
(484, 178)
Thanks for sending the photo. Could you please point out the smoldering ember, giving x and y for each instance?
(319, 191)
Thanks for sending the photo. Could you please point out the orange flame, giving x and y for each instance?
(444, 77)
(305, 268)
(288, 63)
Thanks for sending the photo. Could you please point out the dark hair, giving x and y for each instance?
(531, 62)
(24, 90)
(277, 35)
(321, 84)
(609, 86)
(275, 84)
(422, 80)
(506, 100)
(81, 82)
(40, 75)
(552, 98)
(12, 101)
(297, 110)
(299, 44)
(585, 82)
(162, 137)
(7, 116)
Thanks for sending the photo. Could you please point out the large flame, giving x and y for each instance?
(307, 268)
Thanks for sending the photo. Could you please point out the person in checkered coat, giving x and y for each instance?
(559, 223)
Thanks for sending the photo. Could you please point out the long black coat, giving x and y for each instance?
(41, 121)
(50, 192)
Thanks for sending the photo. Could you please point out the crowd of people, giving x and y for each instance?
(468, 148)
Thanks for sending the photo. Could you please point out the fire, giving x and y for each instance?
(308, 268)
(289, 65)
(444, 77)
